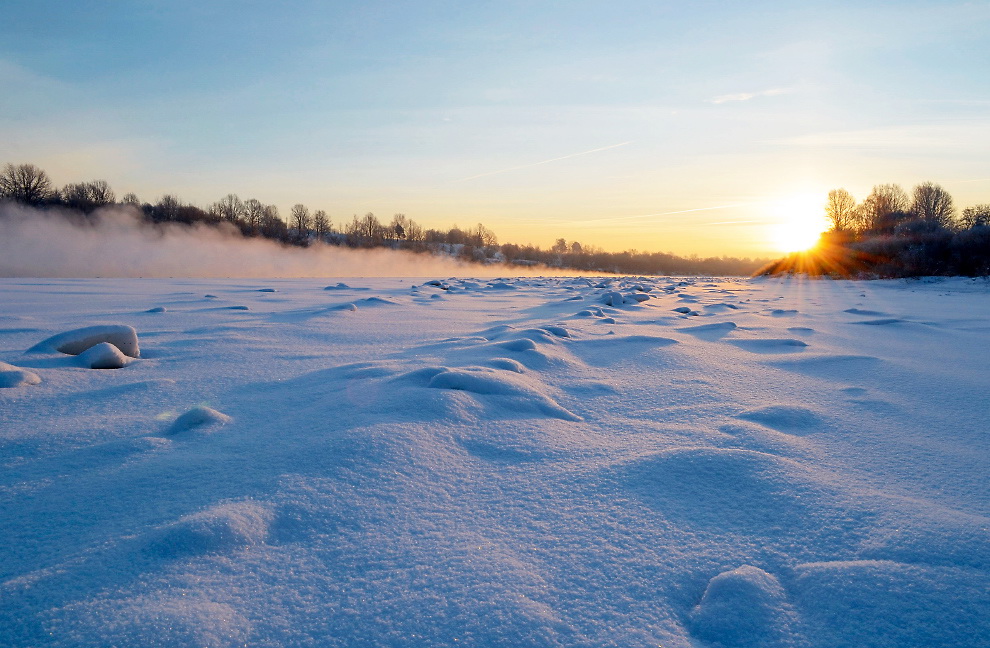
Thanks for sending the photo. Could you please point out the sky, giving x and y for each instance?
(691, 127)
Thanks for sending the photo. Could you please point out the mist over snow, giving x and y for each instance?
(117, 243)
(524, 462)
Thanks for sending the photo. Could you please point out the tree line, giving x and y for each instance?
(29, 185)
(892, 233)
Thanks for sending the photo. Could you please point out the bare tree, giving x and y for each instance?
(455, 236)
(167, 208)
(254, 212)
(353, 231)
(933, 203)
(559, 246)
(300, 219)
(399, 226)
(87, 196)
(272, 226)
(230, 208)
(131, 199)
(414, 232)
(75, 196)
(100, 193)
(321, 224)
(977, 215)
(371, 230)
(25, 183)
(884, 208)
(840, 209)
(485, 236)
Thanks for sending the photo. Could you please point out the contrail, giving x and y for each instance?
(526, 166)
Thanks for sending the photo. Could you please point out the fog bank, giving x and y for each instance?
(116, 242)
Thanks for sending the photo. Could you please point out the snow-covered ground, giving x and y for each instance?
(494, 463)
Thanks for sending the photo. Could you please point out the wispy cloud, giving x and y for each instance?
(746, 96)
(533, 164)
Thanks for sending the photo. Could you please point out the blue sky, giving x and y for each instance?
(689, 127)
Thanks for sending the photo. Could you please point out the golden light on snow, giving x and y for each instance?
(800, 221)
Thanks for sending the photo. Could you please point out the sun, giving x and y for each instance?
(800, 221)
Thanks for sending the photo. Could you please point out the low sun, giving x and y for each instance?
(800, 222)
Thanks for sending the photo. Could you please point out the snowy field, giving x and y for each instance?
(521, 462)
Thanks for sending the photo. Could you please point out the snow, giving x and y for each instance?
(11, 376)
(780, 462)
(76, 341)
(199, 417)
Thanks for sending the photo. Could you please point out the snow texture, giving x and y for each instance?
(524, 462)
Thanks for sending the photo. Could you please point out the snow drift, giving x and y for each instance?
(514, 463)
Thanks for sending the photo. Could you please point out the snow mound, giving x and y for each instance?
(198, 417)
(770, 345)
(519, 346)
(835, 366)
(508, 364)
(784, 418)
(102, 356)
(867, 313)
(930, 536)
(726, 489)
(156, 309)
(746, 607)
(378, 301)
(78, 340)
(614, 299)
(709, 331)
(218, 529)
(493, 382)
(878, 603)
(883, 322)
(181, 618)
(11, 376)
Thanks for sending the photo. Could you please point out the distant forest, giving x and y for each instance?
(892, 234)
(29, 185)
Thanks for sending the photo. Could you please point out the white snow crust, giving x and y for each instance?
(514, 462)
